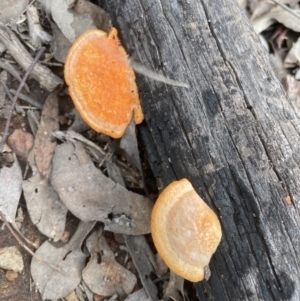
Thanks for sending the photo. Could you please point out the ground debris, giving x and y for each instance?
(11, 259)
(90, 195)
(105, 276)
(11, 185)
(54, 284)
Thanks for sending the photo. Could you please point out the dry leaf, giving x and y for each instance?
(261, 9)
(262, 23)
(144, 262)
(60, 44)
(46, 210)
(44, 145)
(278, 14)
(174, 290)
(51, 283)
(11, 9)
(129, 146)
(99, 16)
(292, 88)
(44, 206)
(90, 195)
(69, 22)
(162, 268)
(10, 188)
(138, 296)
(293, 57)
(286, 18)
(11, 276)
(114, 173)
(21, 143)
(72, 297)
(78, 125)
(105, 277)
(34, 120)
(277, 60)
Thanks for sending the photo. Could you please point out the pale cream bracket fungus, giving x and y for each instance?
(102, 83)
(185, 231)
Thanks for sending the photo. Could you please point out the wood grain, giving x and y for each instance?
(233, 134)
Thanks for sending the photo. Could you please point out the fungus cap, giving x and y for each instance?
(185, 231)
(102, 83)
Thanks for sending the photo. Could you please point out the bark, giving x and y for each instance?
(233, 134)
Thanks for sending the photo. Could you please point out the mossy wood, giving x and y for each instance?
(233, 134)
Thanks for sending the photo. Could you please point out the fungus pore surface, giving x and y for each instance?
(185, 231)
(102, 83)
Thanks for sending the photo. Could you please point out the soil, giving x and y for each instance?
(22, 288)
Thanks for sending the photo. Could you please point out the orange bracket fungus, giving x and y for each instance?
(185, 231)
(102, 83)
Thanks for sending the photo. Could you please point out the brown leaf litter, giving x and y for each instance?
(86, 174)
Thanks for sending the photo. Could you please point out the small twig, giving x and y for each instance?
(6, 130)
(52, 64)
(18, 109)
(27, 99)
(6, 65)
(28, 107)
(21, 234)
(30, 289)
(285, 7)
(73, 136)
(2, 216)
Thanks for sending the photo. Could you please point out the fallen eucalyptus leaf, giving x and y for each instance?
(286, 18)
(174, 289)
(60, 44)
(262, 23)
(292, 88)
(292, 59)
(262, 8)
(44, 145)
(10, 187)
(100, 17)
(107, 277)
(70, 23)
(276, 14)
(138, 296)
(21, 143)
(90, 195)
(114, 173)
(46, 210)
(11, 9)
(144, 261)
(54, 284)
(129, 146)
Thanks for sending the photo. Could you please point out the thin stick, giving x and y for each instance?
(22, 83)
(285, 7)
(27, 99)
(30, 288)
(2, 216)
(21, 234)
(18, 109)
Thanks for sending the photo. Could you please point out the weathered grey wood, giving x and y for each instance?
(42, 74)
(233, 134)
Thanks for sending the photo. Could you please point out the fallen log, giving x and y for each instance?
(233, 133)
